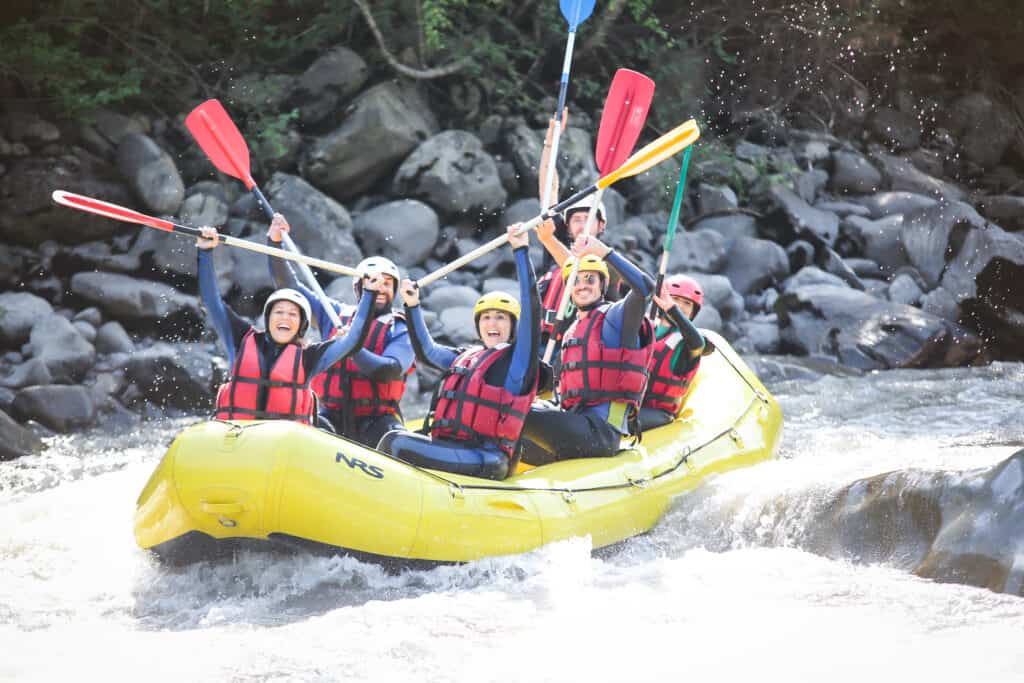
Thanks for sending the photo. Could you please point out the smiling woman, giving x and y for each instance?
(271, 370)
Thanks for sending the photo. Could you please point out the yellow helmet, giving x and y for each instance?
(496, 301)
(589, 263)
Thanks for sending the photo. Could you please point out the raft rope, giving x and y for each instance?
(757, 397)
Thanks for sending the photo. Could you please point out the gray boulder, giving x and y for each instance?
(523, 147)
(103, 130)
(457, 325)
(19, 311)
(139, 303)
(30, 215)
(1006, 210)
(112, 338)
(15, 440)
(443, 297)
(576, 166)
(30, 373)
(711, 198)
(205, 204)
(904, 176)
(520, 211)
(811, 275)
(927, 233)
(91, 315)
(384, 125)
(320, 226)
(453, 173)
(802, 216)
(87, 331)
(759, 334)
(708, 318)
(180, 375)
(877, 240)
(59, 407)
(250, 274)
(889, 203)
(754, 264)
(58, 344)
(984, 279)
(984, 127)
(730, 227)
(329, 82)
(868, 334)
(904, 290)
(702, 250)
(404, 231)
(151, 172)
(852, 173)
(941, 304)
(895, 129)
(844, 209)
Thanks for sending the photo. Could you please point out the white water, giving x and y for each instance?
(719, 591)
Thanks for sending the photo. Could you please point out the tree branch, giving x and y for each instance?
(436, 72)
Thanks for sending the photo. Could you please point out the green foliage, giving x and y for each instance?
(76, 55)
(272, 129)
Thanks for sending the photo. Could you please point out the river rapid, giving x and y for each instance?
(732, 584)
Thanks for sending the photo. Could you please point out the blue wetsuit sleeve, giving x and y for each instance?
(345, 345)
(624, 318)
(283, 274)
(522, 371)
(431, 353)
(220, 315)
(393, 362)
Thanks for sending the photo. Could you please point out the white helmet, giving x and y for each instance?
(584, 205)
(375, 265)
(296, 298)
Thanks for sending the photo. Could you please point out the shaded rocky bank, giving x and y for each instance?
(899, 249)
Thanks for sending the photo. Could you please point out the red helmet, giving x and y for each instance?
(686, 287)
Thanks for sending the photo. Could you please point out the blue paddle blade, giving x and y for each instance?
(576, 11)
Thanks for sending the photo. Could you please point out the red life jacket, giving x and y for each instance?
(666, 390)
(552, 297)
(592, 373)
(467, 408)
(287, 392)
(343, 385)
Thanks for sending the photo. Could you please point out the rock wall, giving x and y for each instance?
(874, 253)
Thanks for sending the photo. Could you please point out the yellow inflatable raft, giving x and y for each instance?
(222, 486)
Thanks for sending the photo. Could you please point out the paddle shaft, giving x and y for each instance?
(502, 239)
(307, 276)
(654, 153)
(670, 229)
(563, 87)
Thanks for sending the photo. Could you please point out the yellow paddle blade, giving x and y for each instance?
(669, 144)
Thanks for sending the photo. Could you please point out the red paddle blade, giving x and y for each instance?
(220, 138)
(101, 208)
(625, 111)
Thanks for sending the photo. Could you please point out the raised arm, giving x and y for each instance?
(283, 275)
(393, 362)
(526, 349)
(224, 320)
(626, 316)
(429, 352)
(341, 347)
